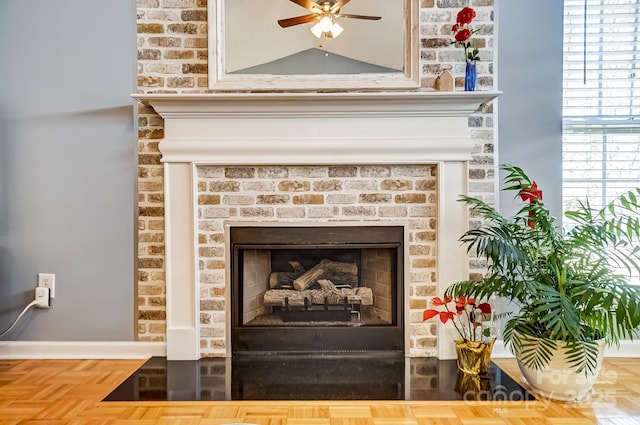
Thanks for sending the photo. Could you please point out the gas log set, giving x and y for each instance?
(328, 291)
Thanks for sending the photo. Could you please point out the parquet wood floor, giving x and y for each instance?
(68, 392)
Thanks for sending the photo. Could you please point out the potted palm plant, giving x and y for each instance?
(569, 288)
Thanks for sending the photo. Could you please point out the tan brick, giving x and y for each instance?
(152, 315)
(238, 200)
(155, 250)
(322, 212)
(425, 236)
(150, 81)
(426, 185)
(411, 198)
(149, 54)
(257, 186)
(256, 212)
(375, 171)
(150, 29)
(211, 305)
(327, 185)
(417, 304)
(194, 15)
(273, 172)
(179, 54)
(155, 225)
(195, 68)
(150, 263)
(210, 172)
(150, 290)
(157, 328)
(272, 199)
(364, 185)
(424, 263)
(164, 41)
(239, 172)
(209, 199)
(308, 199)
(392, 211)
(181, 82)
(359, 211)
(215, 264)
(343, 171)
(151, 212)
(374, 198)
(179, 4)
(294, 186)
(290, 212)
(396, 185)
(310, 172)
(211, 252)
(224, 186)
(341, 199)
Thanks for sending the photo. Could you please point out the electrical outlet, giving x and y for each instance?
(48, 280)
(42, 297)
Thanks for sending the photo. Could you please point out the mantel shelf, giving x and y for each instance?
(343, 104)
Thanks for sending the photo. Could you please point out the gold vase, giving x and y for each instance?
(474, 356)
(473, 387)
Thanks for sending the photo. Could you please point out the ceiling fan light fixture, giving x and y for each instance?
(316, 30)
(336, 30)
(327, 27)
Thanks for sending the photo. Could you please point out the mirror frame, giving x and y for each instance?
(219, 80)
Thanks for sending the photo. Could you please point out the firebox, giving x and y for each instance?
(317, 289)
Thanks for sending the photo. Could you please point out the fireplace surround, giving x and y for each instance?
(307, 129)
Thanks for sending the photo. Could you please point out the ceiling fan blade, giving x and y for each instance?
(346, 15)
(289, 22)
(338, 5)
(308, 4)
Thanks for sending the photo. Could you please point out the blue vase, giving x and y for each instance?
(470, 76)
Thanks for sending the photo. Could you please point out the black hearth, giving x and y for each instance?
(317, 289)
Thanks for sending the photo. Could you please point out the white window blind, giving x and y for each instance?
(601, 106)
(601, 100)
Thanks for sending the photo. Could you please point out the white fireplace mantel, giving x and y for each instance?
(418, 127)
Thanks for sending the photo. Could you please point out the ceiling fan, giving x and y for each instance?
(324, 14)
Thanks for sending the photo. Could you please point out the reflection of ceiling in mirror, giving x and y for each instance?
(315, 61)
(253, 36)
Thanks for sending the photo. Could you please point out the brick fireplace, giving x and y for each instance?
(345, 159)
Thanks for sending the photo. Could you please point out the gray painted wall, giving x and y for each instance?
(68, 167)
(530, 108)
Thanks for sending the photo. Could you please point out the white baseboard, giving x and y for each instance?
(627, 349)
(81, 349)
(141, 350)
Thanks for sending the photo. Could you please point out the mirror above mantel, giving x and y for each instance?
(250, 51)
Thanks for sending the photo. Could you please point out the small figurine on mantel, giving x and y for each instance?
(444, 82)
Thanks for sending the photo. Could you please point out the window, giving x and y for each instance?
(601, 100)
(601, 115)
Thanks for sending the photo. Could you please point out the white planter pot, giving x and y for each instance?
(558, 381)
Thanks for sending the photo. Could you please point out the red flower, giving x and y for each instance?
(463, 35)
(438, 301)
(485, 308)
(428, 314)
(464, 317)
(531, 193)
(465, 16)
(461, 303)
(446, 315)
